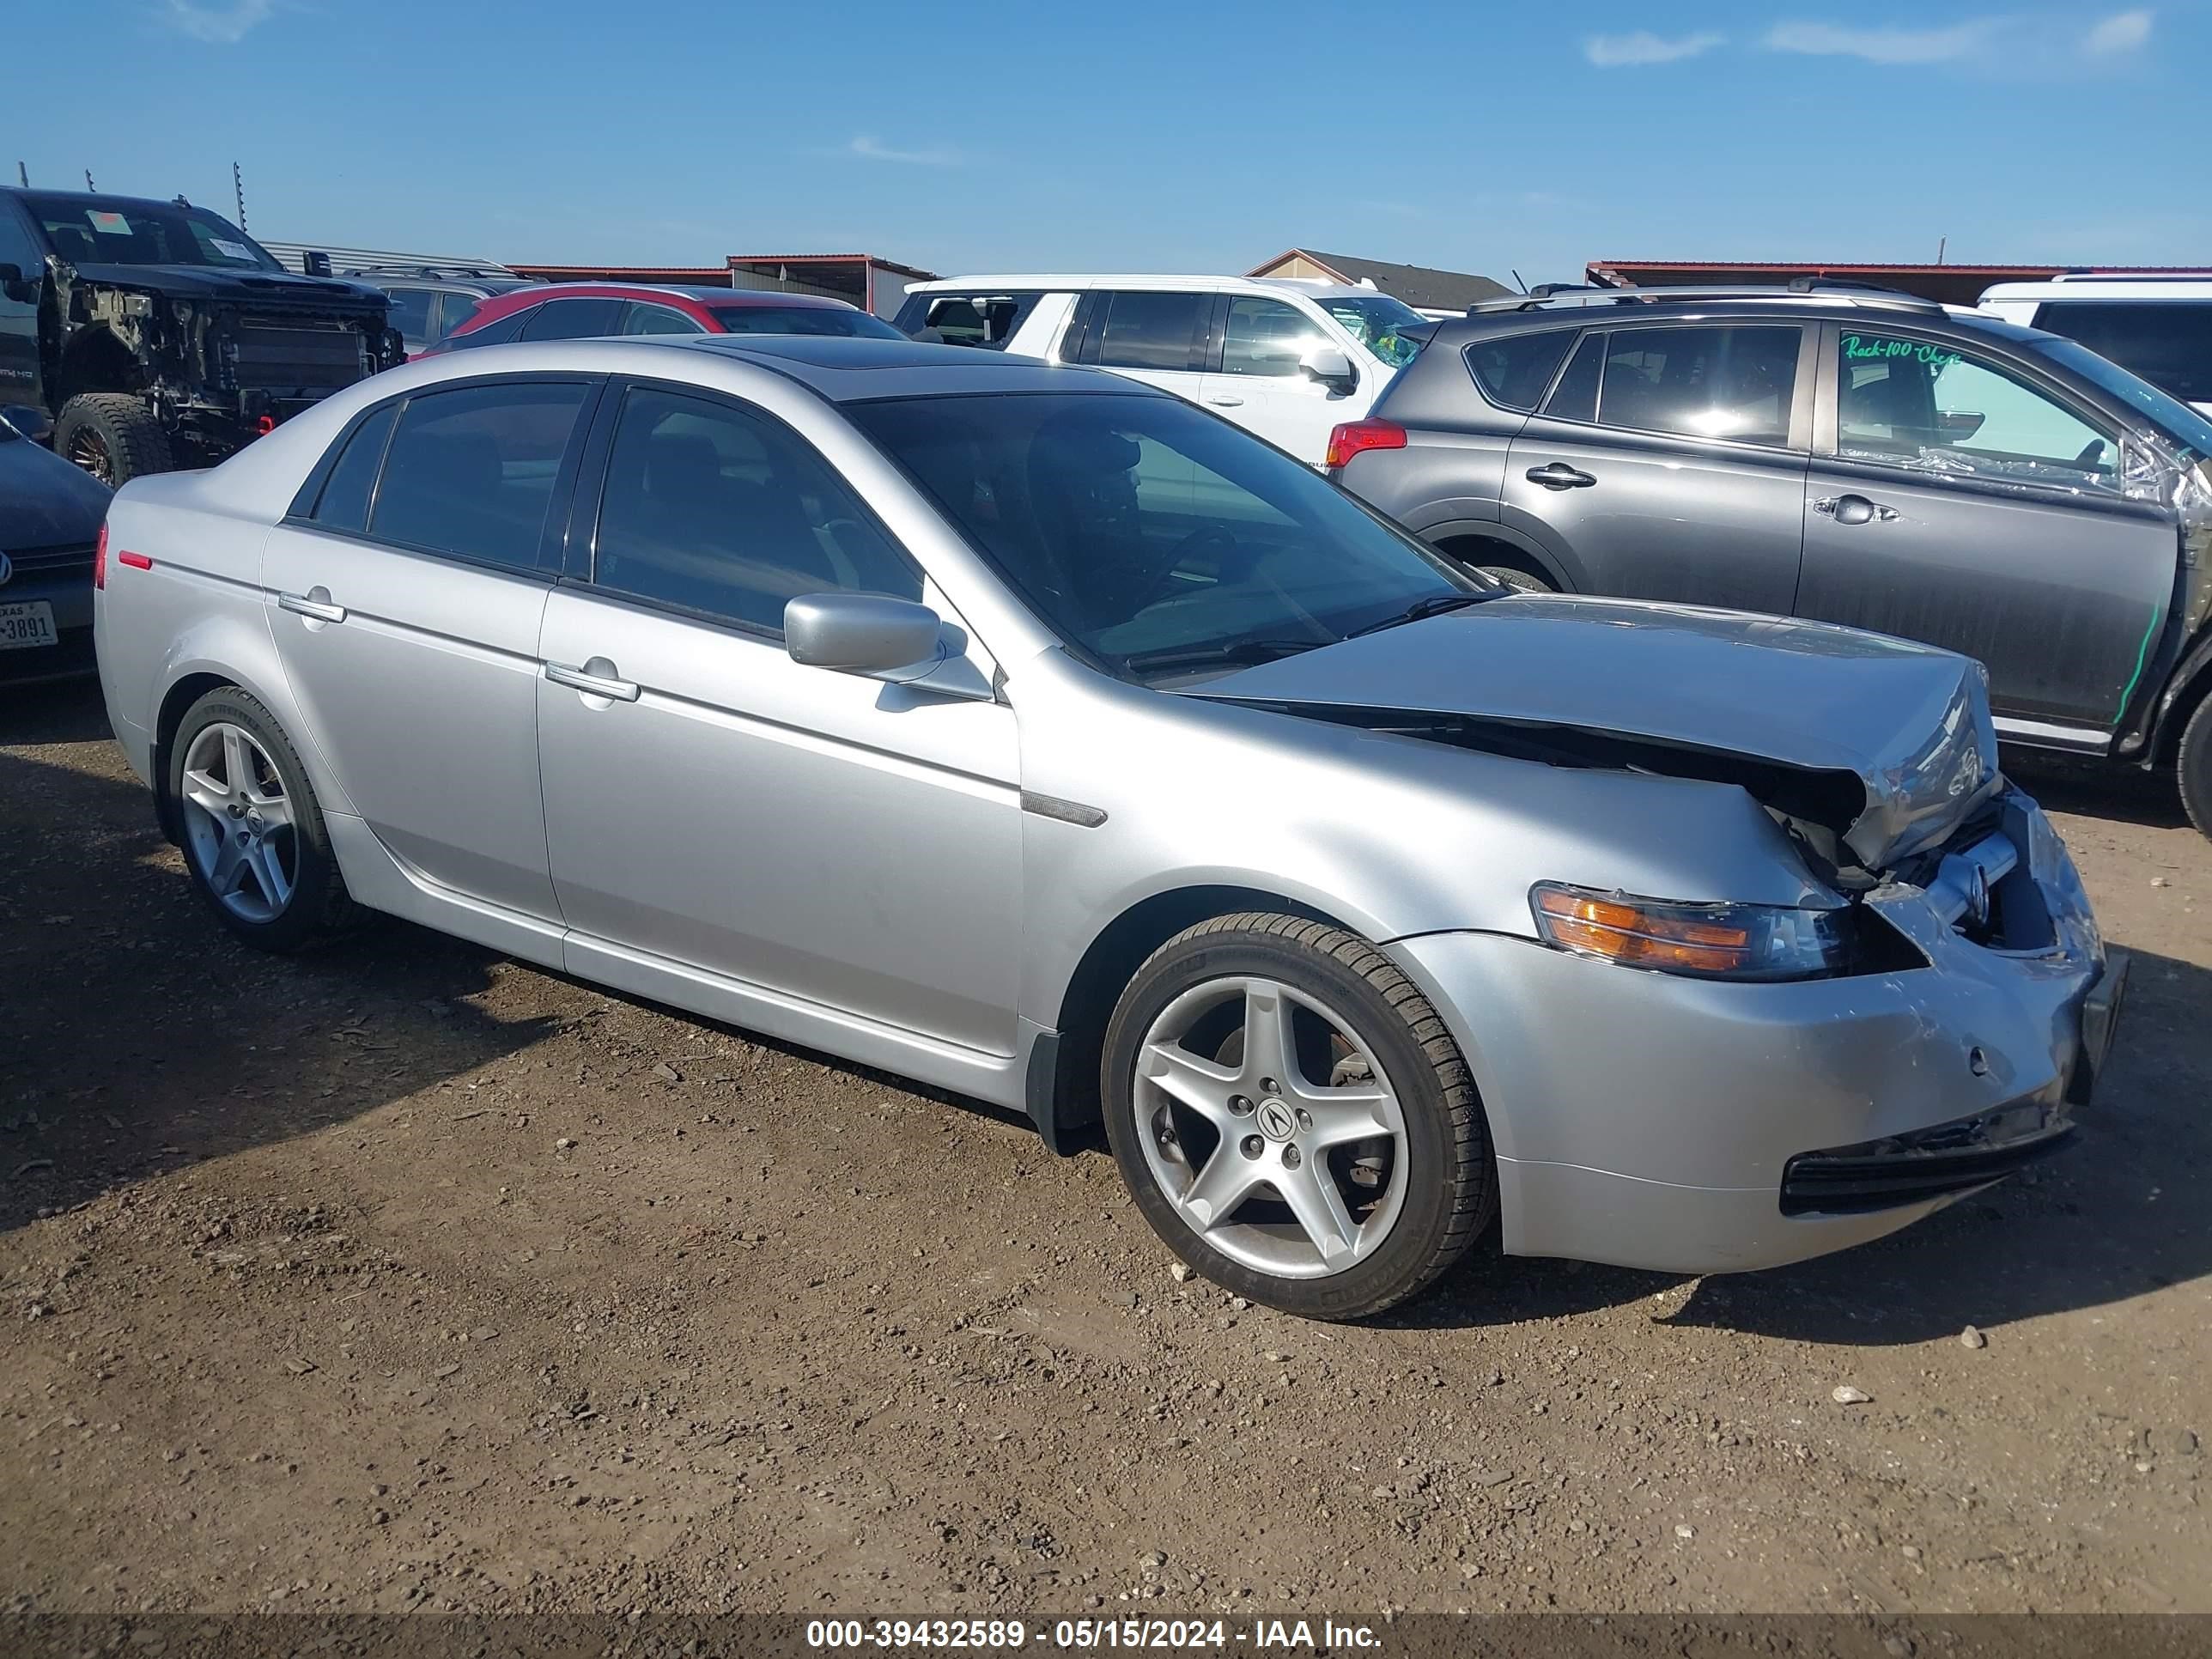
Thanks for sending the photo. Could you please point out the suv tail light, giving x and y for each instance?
(100, 557)
(1354, 436)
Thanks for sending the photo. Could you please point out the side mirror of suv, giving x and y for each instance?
(17, 285)
(1958, 424)
(1329, 365)
(315, 262)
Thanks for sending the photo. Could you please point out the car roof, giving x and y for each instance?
(2144, 290)
(95, 198)
(847, 369)
(1063, 283)
(1628, 307)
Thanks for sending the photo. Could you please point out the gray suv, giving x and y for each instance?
(1851, 455)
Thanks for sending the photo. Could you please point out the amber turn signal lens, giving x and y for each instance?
(1718, 941)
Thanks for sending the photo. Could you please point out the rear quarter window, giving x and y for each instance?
(1515, 371)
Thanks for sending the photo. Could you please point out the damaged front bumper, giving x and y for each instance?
(1698, 1126)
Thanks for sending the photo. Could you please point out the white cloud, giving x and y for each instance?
(220, 25)
(1620, 51)
(1888, 46)
(2123, 31)
(874, 149)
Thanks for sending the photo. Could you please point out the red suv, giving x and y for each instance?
(570, 311)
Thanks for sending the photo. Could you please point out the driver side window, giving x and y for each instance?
(1924, 405)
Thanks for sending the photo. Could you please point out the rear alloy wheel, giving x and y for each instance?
(252, 835)
(1292, 1117)
(112, 435)
(2194, 769)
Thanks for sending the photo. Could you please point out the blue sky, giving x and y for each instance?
(976, 135)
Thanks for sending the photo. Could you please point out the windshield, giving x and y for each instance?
(1162, 541)
(85, 232)
(803, 319)
(1376, 323)
(2180, 423)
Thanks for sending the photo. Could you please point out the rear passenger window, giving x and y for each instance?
(1575, 397)
(1703, 382)
(1151, 330)
(986, 320)
(1513, 372)
(409, 312)
(716, 510)
(471, 473)
(645, 319)
(572, 320)
(344, 501)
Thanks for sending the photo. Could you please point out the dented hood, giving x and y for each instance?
(1910, 723)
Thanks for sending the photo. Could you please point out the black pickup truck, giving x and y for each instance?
(158, 335)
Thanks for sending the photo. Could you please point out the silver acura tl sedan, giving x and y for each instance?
(1038, 735)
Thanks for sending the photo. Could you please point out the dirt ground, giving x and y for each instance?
(405, 1276)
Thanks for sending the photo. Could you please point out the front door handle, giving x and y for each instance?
(1223, 400)
(1854, 509)
(596, 678)
(314, 605)
(1559, 476)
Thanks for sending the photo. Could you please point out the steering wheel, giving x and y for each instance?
(1206, 534)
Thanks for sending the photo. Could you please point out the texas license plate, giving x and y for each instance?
(26, 623)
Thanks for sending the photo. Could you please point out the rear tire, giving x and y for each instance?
(1341, 1170)
(2193, 768)
(252, 835)
(1520, 580)
(114, 436)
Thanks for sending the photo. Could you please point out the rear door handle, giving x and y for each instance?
(1224, 401)
(596, 678)
(314, 605)
(1559, 476)
(1854, 509)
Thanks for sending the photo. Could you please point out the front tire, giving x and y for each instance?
(252, 835)
(2193, 769)
(114, 436)
(1293, 1119)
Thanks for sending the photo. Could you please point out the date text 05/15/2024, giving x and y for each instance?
(1089, 1635)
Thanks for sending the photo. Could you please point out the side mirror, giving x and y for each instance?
(870, 635)
(15, 284)
(26, 422)
(315, 262)
(1958, 424)
(1329, 365)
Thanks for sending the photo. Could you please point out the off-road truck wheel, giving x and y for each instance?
(1292, 1117)
(252, 835)
(112, 435)
(2194, 769)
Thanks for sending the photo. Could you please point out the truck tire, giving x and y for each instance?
(113, 435)
(2193, 770)
(1355, 1112)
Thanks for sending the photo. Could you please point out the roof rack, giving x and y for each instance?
(403, 268)
(1803, 287)
(2174, 275)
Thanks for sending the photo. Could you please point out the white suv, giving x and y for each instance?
(1285, 359)
(2158, 327)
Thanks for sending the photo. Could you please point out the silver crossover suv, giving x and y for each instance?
(1033, 733)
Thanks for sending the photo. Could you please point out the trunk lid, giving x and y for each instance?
(1886, 745)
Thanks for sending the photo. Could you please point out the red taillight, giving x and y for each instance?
(1354, 436)
(264, 426)
(100, 557)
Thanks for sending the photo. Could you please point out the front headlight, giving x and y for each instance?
(1707, 941)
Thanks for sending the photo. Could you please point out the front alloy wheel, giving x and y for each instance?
(1293, 1118)
(1286, 1173)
